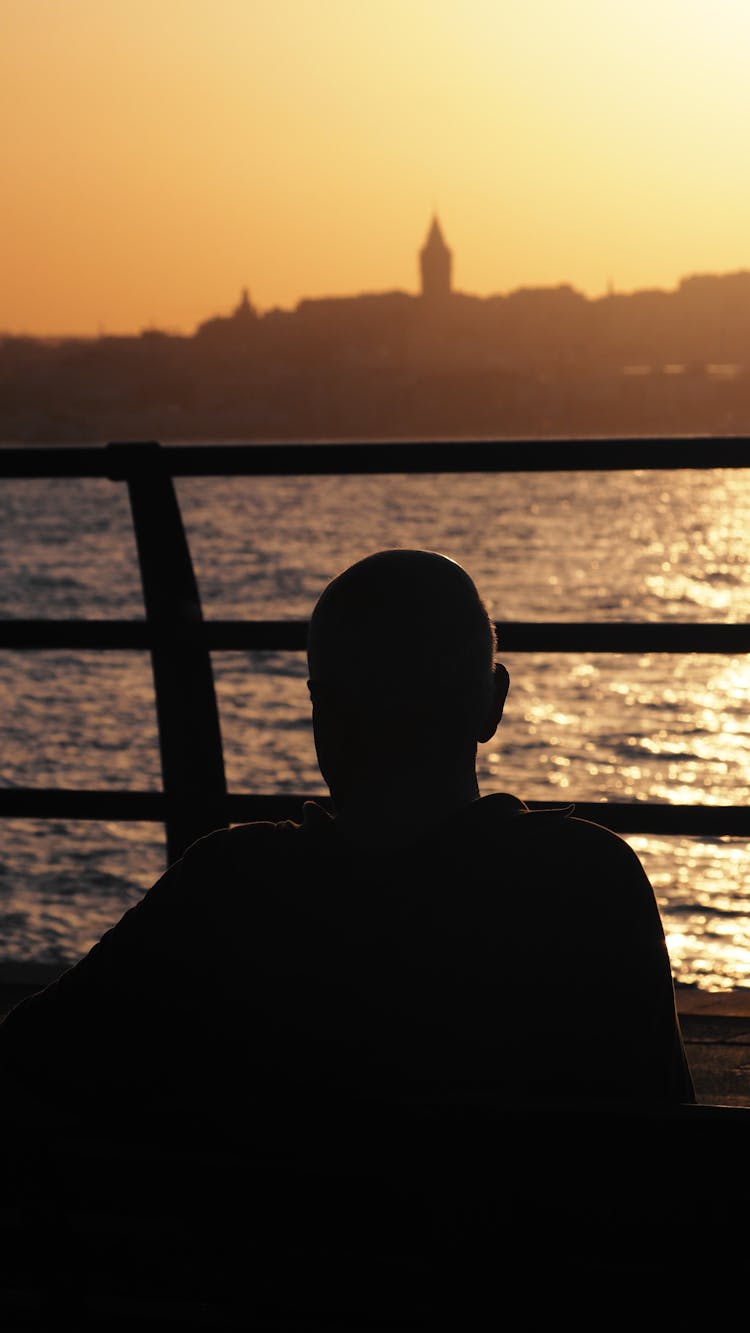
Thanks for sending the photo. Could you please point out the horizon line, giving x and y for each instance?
(611, 292)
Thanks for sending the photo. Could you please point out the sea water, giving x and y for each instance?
(632, 546)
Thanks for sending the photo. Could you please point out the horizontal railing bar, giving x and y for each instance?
(278, 635)
(291, 635)
(127, 460)
(622, 816)
(82, 803)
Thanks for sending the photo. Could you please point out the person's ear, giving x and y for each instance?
(500, 687)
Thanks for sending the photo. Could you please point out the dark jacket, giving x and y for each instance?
(509, 955)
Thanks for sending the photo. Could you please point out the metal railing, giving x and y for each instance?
(194, 797)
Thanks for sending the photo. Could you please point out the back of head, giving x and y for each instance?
(402, 643)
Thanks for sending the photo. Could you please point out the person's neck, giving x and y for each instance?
(390, 815)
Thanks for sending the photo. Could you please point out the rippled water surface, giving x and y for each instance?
(622, 546)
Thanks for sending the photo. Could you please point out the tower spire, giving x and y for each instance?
(435, 262)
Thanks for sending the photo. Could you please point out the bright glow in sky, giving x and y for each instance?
(159, 155)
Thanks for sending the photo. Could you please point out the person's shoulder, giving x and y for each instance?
(261, 838)
(577, 864)
(241, 840)
(589, 834)
(551, 831)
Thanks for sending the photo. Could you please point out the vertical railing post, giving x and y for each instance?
(192, 760)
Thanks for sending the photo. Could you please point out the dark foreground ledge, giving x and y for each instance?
(383, 1217)
(408, 1217)
(716, 1028)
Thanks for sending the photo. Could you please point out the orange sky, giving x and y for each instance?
(158, 155)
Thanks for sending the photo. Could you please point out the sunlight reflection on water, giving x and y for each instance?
(641, 546)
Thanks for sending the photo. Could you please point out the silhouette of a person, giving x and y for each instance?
(420, 942)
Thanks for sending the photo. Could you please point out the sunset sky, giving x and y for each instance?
(159, 155)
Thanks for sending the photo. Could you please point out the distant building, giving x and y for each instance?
(244, 313)
(435, 261)
(242, 323)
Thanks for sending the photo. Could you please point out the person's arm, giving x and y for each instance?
(109, 1026)
(630, 1001)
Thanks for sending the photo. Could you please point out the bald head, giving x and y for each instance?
(403, 683)
(402, 633)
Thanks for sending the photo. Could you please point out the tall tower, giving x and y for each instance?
(435, 261)
(244, 312)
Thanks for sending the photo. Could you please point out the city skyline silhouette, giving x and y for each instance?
(298, 150)
(436, 362)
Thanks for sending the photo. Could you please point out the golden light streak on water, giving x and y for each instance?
(593, 727)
